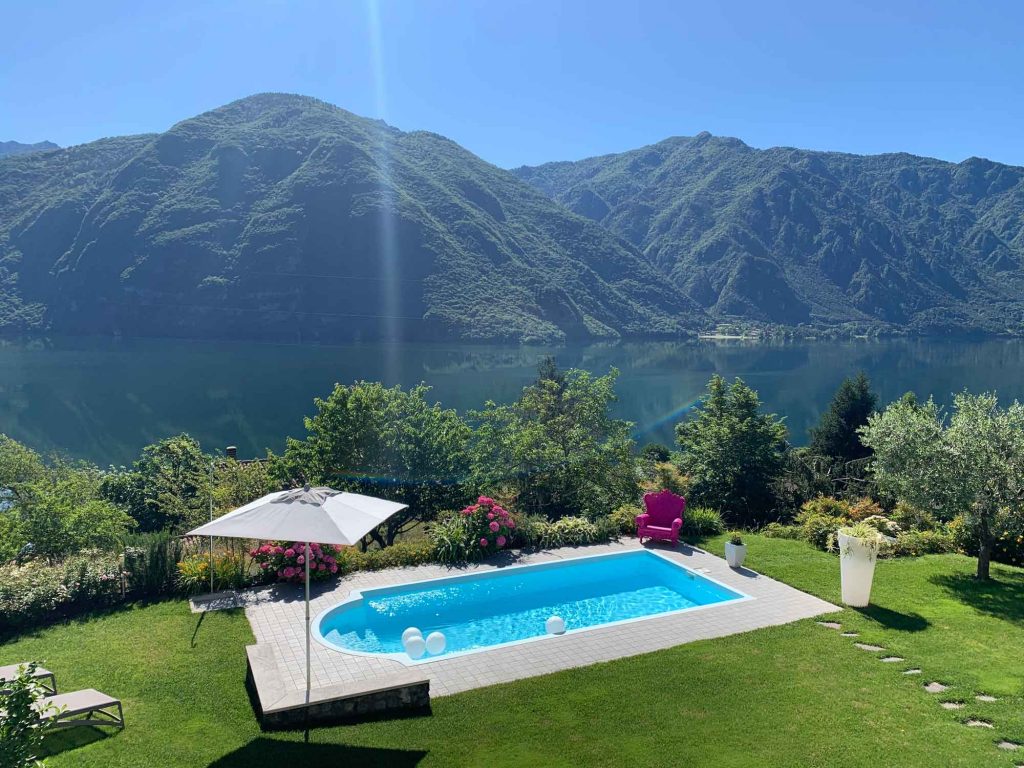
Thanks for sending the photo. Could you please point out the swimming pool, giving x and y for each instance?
(479, 611)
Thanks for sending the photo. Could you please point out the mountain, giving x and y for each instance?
(789, 236)
(8, 148)
(283, 217)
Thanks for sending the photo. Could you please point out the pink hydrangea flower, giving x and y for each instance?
(501, 541)
(264, 566)
(494, 526)
(485, 500)
(490, 515)
(278, 550)
(511, 523)
(334, 568)
(289, 572)
(265, 549)
(301, 560)
(289, 552)
(483, 542)
(322, 566)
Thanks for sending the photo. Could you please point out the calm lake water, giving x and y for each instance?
(104, 399)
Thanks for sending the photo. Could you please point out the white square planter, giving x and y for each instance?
(735, 554)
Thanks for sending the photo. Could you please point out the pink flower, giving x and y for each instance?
(494, 526)
(301, 560)
(264, 566)
(511, 523)
(253, 552)
(289, 552)
(467, 512)
(490, 515)
(485, 500)
(265, 549)
(280, 574)
(501, 541)
(289, 572)
(322, 566)
(278, 550)
(483, 542)
(334, 568)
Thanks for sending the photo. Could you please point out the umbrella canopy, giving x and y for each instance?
(322, 515)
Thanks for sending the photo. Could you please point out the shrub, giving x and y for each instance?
(569, 532)
(655, 452)
(736, 538)
(702, 521)
(779, 531)
(883, 525)
(1008, 535)
(664, 475)
(287, 560)
(917, 543)
(864, 508)
(478, 530)
(229, 572)
(151, 562)
(623, 519)
(21, 729)
(398, 555)
(911, 518)
(529, 530)
(819, 530)
(823, 506)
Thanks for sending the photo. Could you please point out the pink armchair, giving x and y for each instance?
(664, 517)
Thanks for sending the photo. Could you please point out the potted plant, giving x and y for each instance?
(735, 550)
(859, 545)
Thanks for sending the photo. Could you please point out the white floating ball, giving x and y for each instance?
(436, 642)
(410, 632)
(555, 625)
(415, 647)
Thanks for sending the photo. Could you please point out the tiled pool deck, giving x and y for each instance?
(276, 616)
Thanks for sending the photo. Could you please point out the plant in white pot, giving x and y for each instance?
(735, 550)
(859, 545)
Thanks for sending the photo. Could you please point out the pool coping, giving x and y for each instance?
(357, 595)
(276, 615)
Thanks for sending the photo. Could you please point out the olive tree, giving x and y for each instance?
(971, 463)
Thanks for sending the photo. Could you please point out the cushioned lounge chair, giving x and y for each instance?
(663, 518)
(42, 676)
(85, 707)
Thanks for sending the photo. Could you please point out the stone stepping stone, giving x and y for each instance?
(952, 704)
(978, 724)
(914, 671)
(868, 647)
(892, 659)
(985, 697)
(830, 624)
(1009, 746)
(851, 634)
(935, 687)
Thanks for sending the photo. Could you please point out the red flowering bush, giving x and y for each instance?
(287, 560)
(488, 526)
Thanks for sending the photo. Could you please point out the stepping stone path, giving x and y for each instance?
(952, 705)
(985, 697)
(934, 687)
(868, 647)
(891, 659)
(830, 624)
(1009, 746)
(914, 671)
(978, 724)
(851, 634)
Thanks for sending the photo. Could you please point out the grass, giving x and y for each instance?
(793, 695)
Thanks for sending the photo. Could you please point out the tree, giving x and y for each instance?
(971, 463)
(836, 436)
(168, 488)
(732, 452)
(21, 727)
(556, 449)
(384, 442)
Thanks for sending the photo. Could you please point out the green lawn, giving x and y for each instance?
(798, 695)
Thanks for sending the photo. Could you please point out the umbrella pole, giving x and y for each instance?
(307, 624)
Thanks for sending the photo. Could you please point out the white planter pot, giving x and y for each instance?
(735, 554)
(857, 567)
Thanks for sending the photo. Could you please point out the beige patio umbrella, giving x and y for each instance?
(321, 515)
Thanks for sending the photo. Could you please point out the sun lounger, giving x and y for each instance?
(85, 707)
(42, 676)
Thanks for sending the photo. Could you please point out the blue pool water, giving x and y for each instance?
(482, 610)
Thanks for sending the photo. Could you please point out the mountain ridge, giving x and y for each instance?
(889, 243)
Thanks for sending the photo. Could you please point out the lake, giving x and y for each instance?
(104, 399)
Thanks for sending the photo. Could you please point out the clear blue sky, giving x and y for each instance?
(531, 81)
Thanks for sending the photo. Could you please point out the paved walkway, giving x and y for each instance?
(276, 616)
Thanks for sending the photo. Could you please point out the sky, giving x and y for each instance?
(526, 82)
